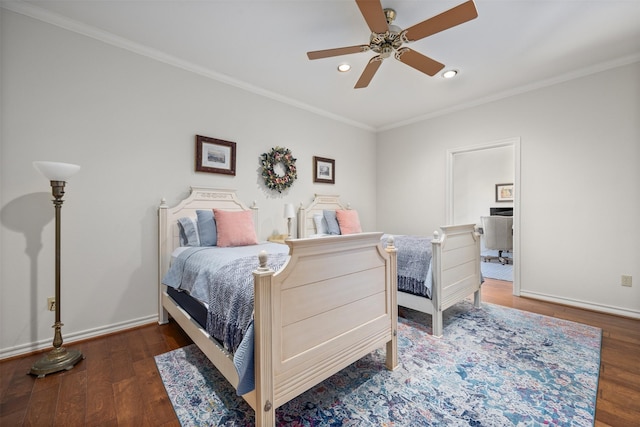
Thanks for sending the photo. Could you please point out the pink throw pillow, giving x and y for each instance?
(235, 228)
(348, 221)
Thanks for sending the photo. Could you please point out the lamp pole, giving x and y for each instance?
(59, 358)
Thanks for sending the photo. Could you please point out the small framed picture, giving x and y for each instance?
(215, 155)
(324, 170)
(504, 192)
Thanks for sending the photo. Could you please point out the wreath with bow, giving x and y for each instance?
(283, 156)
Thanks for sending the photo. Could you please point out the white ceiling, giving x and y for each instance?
(261, 45)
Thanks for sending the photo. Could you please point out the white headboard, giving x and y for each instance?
(306, 226)
(200, 198)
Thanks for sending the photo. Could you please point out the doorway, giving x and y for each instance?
(466, 201)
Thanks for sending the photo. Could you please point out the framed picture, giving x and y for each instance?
(324, 170)
(504, 192)
(215, 155)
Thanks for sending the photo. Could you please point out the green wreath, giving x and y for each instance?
(269, 160)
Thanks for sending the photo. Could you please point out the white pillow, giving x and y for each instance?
(321, 224)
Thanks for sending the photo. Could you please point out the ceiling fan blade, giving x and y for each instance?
(419, 61)
(369, 72)
(452, 17)
(374, 15)
(338, 51)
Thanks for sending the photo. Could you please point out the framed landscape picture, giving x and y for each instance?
(324, 170)
(504, 192)
(215, 155)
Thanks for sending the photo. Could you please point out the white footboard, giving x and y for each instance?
(456, 273)
(332, 303)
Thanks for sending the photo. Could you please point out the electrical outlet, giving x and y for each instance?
(625, 280)
(51, 303)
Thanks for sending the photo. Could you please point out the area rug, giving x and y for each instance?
(494, 366)
(494, 269)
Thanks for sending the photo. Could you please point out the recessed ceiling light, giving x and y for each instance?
(343, 68)
(449, 74)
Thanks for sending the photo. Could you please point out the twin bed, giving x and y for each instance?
(454, 271)
(317, 307)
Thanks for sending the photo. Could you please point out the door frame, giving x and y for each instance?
(510, 142)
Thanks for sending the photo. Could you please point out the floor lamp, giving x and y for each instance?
(59, 358)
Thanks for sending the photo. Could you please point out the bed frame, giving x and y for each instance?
(333, 302)
(455, 263)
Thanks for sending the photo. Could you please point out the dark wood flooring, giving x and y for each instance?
(118, 383)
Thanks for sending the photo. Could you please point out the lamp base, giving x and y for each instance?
(58, 359)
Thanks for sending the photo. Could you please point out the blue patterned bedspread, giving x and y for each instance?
(231, 299)
(192, 269)
(228, 281)
(414, 264)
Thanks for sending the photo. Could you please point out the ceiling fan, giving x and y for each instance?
(387, 38)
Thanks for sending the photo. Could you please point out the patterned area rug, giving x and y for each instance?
(494, 366)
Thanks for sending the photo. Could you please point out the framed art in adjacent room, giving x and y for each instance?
(324, 170)
(504, 192)
(215, 155)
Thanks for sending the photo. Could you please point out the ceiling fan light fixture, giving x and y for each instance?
(449, 74)
(394, 29)
(386, 51)
(343, 68)
(386, 39)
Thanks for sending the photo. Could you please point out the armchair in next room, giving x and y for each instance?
(497, 235)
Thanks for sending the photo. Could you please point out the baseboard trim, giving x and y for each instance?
(602, 308)
(72, 337)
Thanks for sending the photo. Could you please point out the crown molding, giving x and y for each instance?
(58, 20)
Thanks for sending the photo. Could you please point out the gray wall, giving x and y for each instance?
(580, 183)
(130, 122)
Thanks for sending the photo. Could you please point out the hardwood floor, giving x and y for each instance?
(118, 383)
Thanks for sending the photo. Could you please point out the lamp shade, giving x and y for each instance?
(289, 212)
(56, 171)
